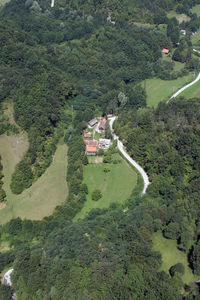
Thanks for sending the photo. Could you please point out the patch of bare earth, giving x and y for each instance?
(2, 205)
(96, 160)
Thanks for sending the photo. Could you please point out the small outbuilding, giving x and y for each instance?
(87, 135)
(102, 125)
(165, 51)
(92, 122)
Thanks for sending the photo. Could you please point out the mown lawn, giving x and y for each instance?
(45, 194)
(116, 186)
(180, 17)
(171, 256)
(158, 90)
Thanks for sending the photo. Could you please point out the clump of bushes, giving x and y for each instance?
(96, 195)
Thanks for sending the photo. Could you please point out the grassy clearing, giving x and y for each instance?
(191, 92)
(44, 195)
(2, 2)
(180, 17)
(177, 65)
(196, 10)
(158, 90)
(195, 38)
(171, 256)
(116, 186)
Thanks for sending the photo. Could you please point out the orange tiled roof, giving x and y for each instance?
(91, 149)
(93, 143)
(164, 50)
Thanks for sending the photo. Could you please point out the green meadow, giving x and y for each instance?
(179, 17)
(159, 90)
(45, 194)
(171, 256)
(116, 185)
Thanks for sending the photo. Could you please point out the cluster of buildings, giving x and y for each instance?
(92, 145)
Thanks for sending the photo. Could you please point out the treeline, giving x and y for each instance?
(166, 143)
(2, 192)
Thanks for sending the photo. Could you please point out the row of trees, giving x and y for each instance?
(2, 192)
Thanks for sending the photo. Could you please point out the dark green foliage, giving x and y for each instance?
(166, 142)
(2, 192)
(6, 258)
(96, 195)
(21, 178)
(173, 30)
(177, 269)
(194, 258)
(14, 227)
(5, 292)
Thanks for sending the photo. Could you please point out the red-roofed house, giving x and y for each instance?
(91, 150)
(102, 125)
(92, 143)
(165, 51)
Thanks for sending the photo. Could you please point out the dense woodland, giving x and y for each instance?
(71, 56)
(167, 143)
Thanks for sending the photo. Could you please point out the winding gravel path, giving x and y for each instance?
(127, 156)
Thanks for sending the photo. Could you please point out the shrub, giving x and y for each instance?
(96, 195)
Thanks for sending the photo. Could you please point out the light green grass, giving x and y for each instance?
(196, 10)
(179, 17)
(158, 90)
(2, 2)
(195, 38)
(45, 194)
(171, 256)
(192, 92)
(116, 186)
(177, 65)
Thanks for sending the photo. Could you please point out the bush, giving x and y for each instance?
(96, 195)
(106, 169)
(177, 269)
(100, 152)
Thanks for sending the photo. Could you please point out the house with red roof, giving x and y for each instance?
(91, 150)
(165, 51)
(102, 125)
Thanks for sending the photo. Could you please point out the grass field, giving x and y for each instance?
(191, 92)
(45, 194)
(171, 255)
(180, 17)
(196, 10)
(116, 186)
(177, 65)
(195, 38)
(159, 90)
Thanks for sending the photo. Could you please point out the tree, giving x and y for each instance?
(177, 269)
(5, 292)
(96, 195)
